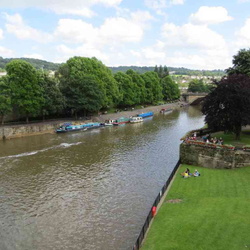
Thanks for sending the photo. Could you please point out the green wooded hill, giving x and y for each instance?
(42, 64)
(37, 63)
(175, 71)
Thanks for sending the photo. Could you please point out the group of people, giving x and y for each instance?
(209, 139)
(187, 173)
(206, 138)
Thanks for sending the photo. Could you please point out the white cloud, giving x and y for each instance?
(34, 55)
(113, 31)
(77, 7)
(160, 5)
(15, 25)
(84, 50)
(6, 52)
(192, 36)
(243, 35)
(210, 15)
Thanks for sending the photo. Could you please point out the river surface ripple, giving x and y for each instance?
(87, 190)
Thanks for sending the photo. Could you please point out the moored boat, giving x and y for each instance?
(144, 115)
(165, 110)
(136, 119)
(68, 127)
(121, 120)
(109, 122)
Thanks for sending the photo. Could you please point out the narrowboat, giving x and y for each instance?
(121, 120)
(136, 119)
(144, 115)
(68, 127)
(165, 110)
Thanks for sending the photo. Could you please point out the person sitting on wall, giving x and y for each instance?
(196, 173)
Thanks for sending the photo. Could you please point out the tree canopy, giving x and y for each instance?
(241, 63)
(5, 98)
(227, 106)
(26, 93)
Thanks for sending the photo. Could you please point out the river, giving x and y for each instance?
(87, 190)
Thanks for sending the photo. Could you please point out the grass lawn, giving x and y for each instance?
(230, 138)
(213, 214)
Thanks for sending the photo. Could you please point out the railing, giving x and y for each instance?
(156, 202)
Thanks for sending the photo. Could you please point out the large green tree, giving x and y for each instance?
(5, 98)
(153, 87)
(53, 99)
(170, 89)
(227, 106)
(26, 93)
(127, 88)
(139, 82)
(82, 85)
(241, 63)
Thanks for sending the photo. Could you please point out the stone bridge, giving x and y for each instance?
(193, 98)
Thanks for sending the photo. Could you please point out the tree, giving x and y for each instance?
(170, 89)
(227, 106)
(140, 86)
(127, 88)
(95, 68)
(53, 99)
(153, 87)
(82, 85)
(26, 93)
(241, 63)
(196, 85)
(5, 98)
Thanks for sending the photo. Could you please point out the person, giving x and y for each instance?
(196, 173)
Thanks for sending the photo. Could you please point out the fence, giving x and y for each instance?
(156, 202)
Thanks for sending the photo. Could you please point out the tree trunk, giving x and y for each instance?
(27, 119)
(2, 120)
(237, 132)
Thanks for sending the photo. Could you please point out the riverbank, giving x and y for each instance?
(48, 127)
(206, 212)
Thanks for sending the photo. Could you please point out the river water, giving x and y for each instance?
(87, 190)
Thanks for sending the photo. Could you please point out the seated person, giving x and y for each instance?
(196, 173)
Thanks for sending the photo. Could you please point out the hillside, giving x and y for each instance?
(42, 64)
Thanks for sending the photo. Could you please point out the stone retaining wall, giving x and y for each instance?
(199, 155)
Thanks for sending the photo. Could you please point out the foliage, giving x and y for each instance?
(172, 70)
(241, 63)
(218, 195)
(161, 71)
(153, 87)
(37, 63)
(170, 89)
(128, 89)
(198, 86)
(141, 90)
(91, 67)
(227, 106)
(5, 98)
(26, 93)
(84, 83)
(53, 100)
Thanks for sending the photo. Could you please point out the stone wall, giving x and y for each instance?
(8, 132)
(199, 155)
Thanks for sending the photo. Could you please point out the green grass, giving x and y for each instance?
(214, 212)
(229, 138)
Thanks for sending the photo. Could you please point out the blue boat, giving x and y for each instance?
(144, 115)
(68, 127)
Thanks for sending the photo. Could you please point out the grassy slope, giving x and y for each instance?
(214, 213)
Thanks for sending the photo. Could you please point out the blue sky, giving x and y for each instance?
(202, 34)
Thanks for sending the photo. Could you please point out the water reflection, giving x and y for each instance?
(89, 190)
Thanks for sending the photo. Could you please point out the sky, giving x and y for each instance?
(195, 34)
